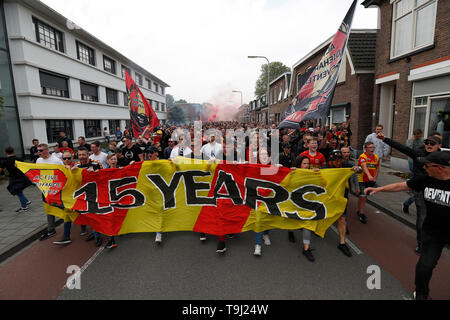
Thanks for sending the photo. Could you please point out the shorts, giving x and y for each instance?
(363, 185)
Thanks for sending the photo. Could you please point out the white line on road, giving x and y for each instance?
(88, 263)
(349, 242)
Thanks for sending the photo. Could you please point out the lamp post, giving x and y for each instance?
(241, 97)
(267, 94)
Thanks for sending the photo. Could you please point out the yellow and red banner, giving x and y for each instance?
(192, 195)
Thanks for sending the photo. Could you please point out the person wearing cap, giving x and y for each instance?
(336, 160)
(435, 189)
(432, 144)
(287, 158)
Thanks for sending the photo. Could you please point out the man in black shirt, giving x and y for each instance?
(33, 151)
(286, 157)
(435, 187)
(131, 152)
(17, 179)
(63, 137)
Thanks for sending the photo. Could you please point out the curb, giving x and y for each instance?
(15, 247)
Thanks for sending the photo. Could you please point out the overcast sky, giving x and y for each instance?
(200, 47)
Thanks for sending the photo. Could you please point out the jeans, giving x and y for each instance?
(421, 214)
(409, 201)
(258, 236)
(67, 226)
(430, 253)
(23, 199)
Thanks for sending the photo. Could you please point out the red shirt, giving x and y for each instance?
(316, 161)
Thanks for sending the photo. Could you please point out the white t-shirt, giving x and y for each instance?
(58, 155)
(50, 160)
(102, 158)
(212, 150)
(175, 152)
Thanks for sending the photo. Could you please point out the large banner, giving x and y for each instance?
(315, 96)
(141, 113)
(192, 195)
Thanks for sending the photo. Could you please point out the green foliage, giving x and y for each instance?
(169, 101)
(176, 114)
(276, 69)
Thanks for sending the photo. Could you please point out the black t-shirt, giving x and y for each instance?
(131, 154)
(9, 164)
(437, 201)
(34, 154)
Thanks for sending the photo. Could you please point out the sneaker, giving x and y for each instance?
(291, 236)
(64, 240)
(158, 238)
(22, 209)
(83, 231)
(47, 235)
(257, 250)
(345, 250)
(98, 242)
(221, 247)
(362, 218)
(405, 209)
(308, 254)
(28, 203)
(266, 239)
(202, 237)
(90, 237)
(111, 244)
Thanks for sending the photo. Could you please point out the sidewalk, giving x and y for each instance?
(18, 230)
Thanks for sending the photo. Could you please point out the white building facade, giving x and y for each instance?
(66, 79)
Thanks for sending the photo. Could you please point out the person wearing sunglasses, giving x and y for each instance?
(46, 157)
(67, 158)
(431, 144)
(435, 189)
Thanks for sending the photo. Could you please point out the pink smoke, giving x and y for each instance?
(221, 107)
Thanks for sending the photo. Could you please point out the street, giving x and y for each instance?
(184, 268)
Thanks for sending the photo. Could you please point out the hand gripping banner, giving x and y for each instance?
(192, 195)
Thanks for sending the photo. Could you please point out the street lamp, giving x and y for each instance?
(240, 93)
(267, 95)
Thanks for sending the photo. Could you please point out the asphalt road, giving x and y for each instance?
(184, 268)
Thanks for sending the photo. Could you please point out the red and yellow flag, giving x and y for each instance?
(192, 195)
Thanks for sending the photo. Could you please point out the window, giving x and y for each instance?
(89, 92)
(149, 83)
(163, 107)
(113, 125)
(138, 79)
(156, 105)
(111, 96)
(85, 53)
(48, 36)
(162, 90)
(439, 119)
(53, 128)
(109, 65)
(123, 71)
(92, 128)
(54, 85)
(125, 99)
(413, 25)
(156, 86)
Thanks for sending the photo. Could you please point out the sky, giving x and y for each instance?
(201, 47)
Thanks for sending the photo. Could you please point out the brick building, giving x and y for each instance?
(278, 96)
(354, 91)
(412, 70)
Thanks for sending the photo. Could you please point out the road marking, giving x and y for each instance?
(349, 242)
(89, 262)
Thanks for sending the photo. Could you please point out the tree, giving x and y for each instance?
(276, 70)
(176, 114)
(169, 101)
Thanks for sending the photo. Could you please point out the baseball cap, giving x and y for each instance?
(434, 139)
(439, 157)
(159, 132)
(335, 154)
